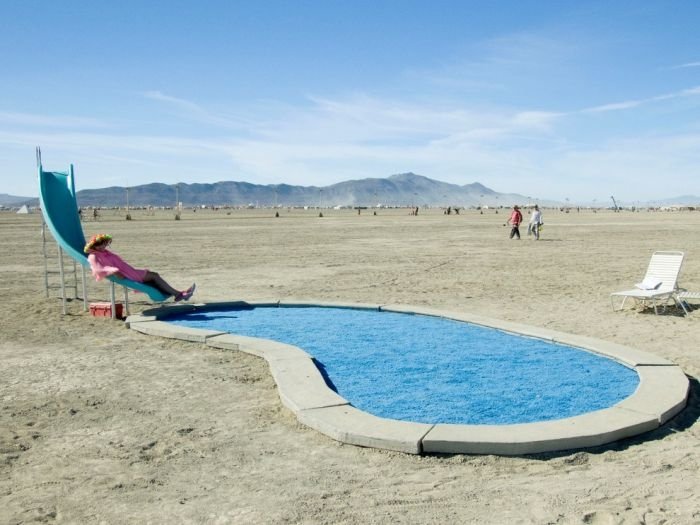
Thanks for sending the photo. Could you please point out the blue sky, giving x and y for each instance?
(560, 100)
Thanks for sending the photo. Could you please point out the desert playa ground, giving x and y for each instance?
(100, 424)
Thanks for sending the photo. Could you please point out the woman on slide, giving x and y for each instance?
(104, 263)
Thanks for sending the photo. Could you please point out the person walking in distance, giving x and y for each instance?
(514, 220)
(535, 222)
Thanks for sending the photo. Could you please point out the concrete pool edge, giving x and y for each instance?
(662, 391)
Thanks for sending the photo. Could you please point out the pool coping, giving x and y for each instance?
(662, 392)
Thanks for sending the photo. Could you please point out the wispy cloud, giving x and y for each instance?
(52, 121)
(689, 64)
(110, 145)
(364, 136)
(369, 122)
(499, 65)
(183, 104)
(640, 102)
(616, 106)
(196, 112)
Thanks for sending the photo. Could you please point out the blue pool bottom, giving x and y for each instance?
(434, 370)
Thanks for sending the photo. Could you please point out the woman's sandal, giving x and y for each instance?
(185, 295)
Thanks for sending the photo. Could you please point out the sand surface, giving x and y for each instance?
(99, 424)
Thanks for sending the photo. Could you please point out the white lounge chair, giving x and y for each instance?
(660, 284)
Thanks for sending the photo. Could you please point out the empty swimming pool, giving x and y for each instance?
(421, 380)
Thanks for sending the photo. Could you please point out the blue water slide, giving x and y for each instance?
(60, 209)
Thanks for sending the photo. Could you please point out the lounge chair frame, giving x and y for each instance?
(664, 266)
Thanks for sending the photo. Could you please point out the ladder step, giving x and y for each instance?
(58, 258)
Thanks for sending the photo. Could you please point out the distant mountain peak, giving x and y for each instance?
(406, 176)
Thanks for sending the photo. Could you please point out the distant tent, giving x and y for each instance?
(23, 209)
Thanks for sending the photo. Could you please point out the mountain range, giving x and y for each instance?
(13, 201)
(404, 189)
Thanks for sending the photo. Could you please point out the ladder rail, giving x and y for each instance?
(65, 282)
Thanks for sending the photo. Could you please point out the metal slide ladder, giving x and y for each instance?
(67, 278)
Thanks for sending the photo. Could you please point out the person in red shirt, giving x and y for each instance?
(514, 220)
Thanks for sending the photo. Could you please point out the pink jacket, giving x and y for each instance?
(104, 263)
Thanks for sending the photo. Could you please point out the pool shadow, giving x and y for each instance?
(324, 373)
(681, 422)
(203, 317)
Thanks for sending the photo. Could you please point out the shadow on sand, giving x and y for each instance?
(681, 422)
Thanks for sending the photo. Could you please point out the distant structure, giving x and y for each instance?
(614, 203)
